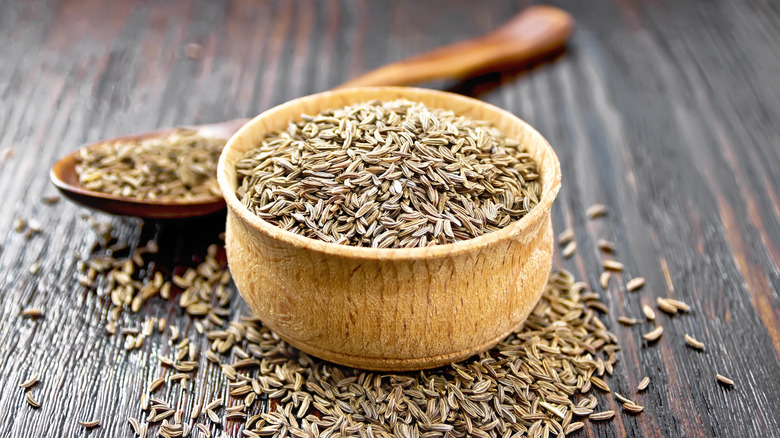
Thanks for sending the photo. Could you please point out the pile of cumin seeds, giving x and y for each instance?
(537, 382)
(178, 167)
(389, 175)
(534, 383)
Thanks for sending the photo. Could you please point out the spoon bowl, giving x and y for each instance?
(63, 175)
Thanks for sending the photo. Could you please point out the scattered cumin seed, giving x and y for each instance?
(53, 199)
(724, 380)
(633, 408)
(29, 383)
(635, 284)
(654, 334)
(573, 427)
(626, 320)
(665, 306)
(604, 415)
(612, 265)
(649, 313)
(596, 210)
(174, 333)
(622, 398)
(19, 224)
(579, 411)
(600, 384)
(643, 384)
(135, 425)
(31, 401)
(604, 279)
(681, 306)
(156, 383)
(568, 251)
(32, 312)
(566, 236)
(693, 342)
(90, 424)
(605, 245)
(214, 404)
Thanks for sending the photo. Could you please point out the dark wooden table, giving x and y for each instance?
(668, 112)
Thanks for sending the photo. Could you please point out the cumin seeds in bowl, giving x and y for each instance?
(394, 174)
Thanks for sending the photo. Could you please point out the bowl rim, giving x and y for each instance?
(537, 214)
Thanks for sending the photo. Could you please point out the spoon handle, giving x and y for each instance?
(535, 32)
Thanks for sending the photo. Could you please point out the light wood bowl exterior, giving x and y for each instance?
(390, 309)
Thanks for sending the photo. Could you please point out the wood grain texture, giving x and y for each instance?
(535, 32)
(667, 112)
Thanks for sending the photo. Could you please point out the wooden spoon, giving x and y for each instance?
(534, 33)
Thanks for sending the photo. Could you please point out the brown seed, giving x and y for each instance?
(31, 401)
(724, 380)
(29, 383)
(573, 427)
(665, 306)
(566, 236)
(600, 384)
(604, 279)
(635, 284)
(612, 265)
(582, 411)
(135, 425)
(156, 383)
(681, 306)
(568, 251)
(643, 384)
(604, 415)
(214, 404)
(596, 210)
(633, 408)
(654, 334)
(32, 312)
(174, 333)
(648, 311)
(90, 424)
(53, 199)
(605, 245)
(693, 342)
(19, 224)
(627, 321)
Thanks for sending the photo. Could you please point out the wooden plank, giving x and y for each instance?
(664, 112)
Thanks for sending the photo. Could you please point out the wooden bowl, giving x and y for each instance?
(390, 309)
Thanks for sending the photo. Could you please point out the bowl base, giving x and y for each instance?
(391, 364)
